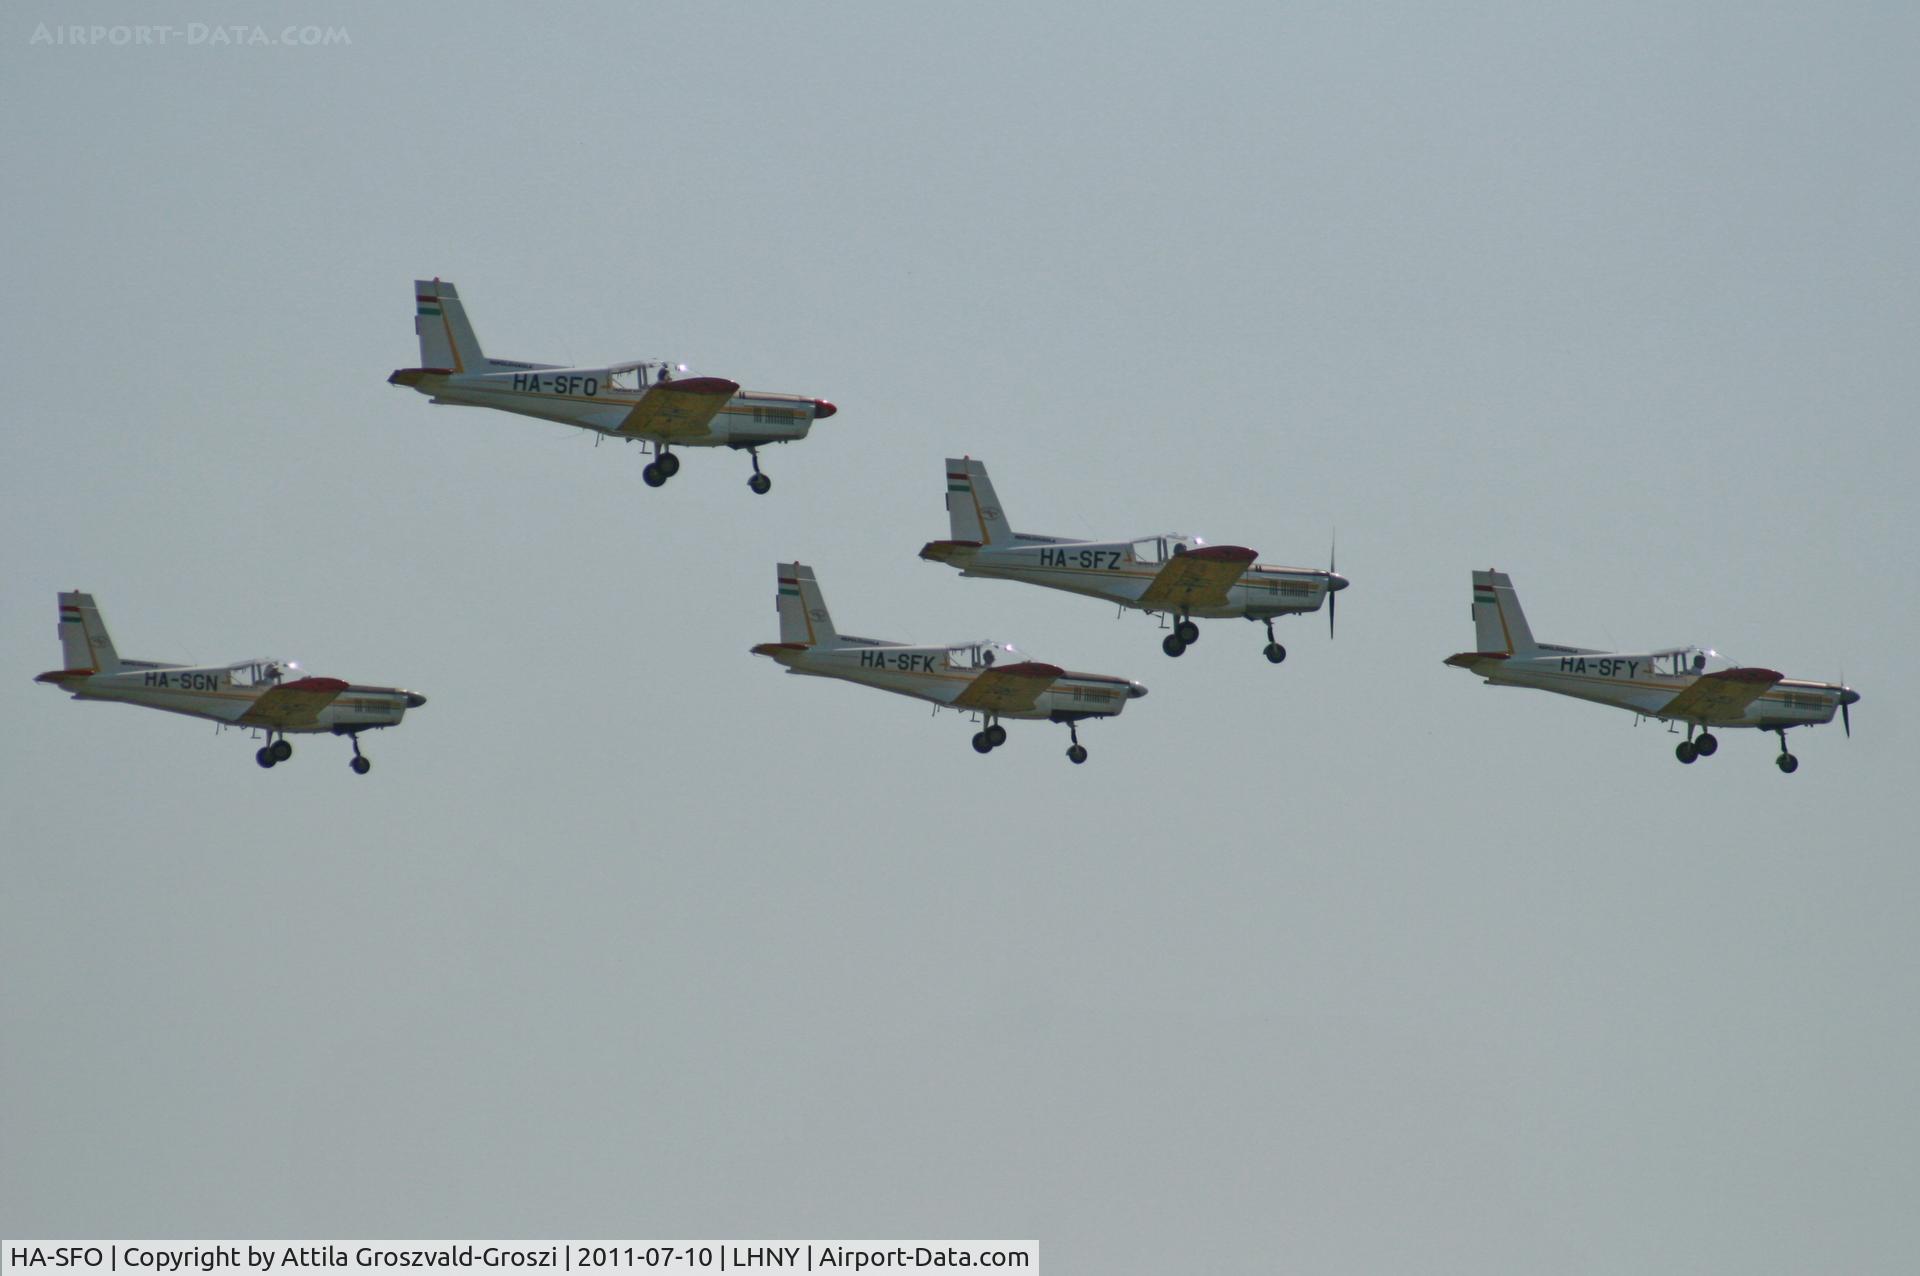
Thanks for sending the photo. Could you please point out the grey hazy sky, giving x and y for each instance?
(1353, 965)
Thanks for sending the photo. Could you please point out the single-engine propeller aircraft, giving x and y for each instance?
(646, 400)
(1694, 686)
(273, 696)
(990, 679)
(1173, 574)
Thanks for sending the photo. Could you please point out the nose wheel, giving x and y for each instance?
(759, 484)
(1787, 763)
(1273, 651)
(360, 764)
(1076, 752)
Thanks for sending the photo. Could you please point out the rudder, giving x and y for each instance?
(803, 609)
(84, 643)
(973, 511)
(440, 321)
(1498, 622)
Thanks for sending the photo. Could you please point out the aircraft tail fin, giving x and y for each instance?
(446, 338)
(973, 511)
(1498, 622)
(803, 610)
(83, 636)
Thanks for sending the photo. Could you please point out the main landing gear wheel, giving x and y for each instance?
(1076, 753)
(1705, 744)
(1172, 645)
(1787, 763)
(360, 765)
(281, 750)
(669, 464)
(1275, 652)
(981, 744)
(996, 735)
(653, 475)
(1686, 752)
(1188, 631)
(760, 484)
(264, 756)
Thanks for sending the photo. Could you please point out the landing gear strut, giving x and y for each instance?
(989, 737)
(759, 484)
(359, 764)
(1076, 752)
(1274, 651)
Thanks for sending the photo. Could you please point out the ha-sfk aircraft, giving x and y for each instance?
(992, 680)
(1173, 574)
(273, 696)
(1691, 686)
(646, 401)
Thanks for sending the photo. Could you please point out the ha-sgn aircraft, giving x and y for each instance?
(991, 680)
(1173, 574)
(273, 696)
(645, 401)
(1691, 686)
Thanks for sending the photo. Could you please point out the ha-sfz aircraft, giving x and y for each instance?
(1174, 574)
(1693, 686)
(989, 679)
(272, 696)
(645, 401)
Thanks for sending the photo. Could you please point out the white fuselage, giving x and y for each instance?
(224, 693)
(1113, 570)
(590, 399)
(942, 675)
(1631, 682)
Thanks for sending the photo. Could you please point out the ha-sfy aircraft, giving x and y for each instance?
(272, 696)
(991, 680)
(1691, 686)
(645, 401)
(1173, 574)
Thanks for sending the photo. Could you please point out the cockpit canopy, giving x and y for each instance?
(983, 655)
(1158, 549)
(643, 373)
(1681, 660)
(265, 673)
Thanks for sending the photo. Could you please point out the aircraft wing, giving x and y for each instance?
(1716, 697)
(679, 409)
(293, 704)
(1198, 578)
(1009, 688)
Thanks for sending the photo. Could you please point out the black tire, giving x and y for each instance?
(1686, 752)
(652, 474)
(1188, 631)
(1275, 652)
(264, 756)
(760, 484)
(282, 750)
(981, 744)
(1705, 744)
(1172, 645)
(360, 765)
(669, 464)
(1077, 753)
(1788, 763)
(996, 735)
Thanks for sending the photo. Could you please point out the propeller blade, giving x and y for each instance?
(1333, 595)
(1846, 720)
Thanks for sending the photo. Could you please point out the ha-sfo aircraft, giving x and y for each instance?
(273, 696)
(645, 401)
(1694, 686)
(992, 680)
(1173, 574)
